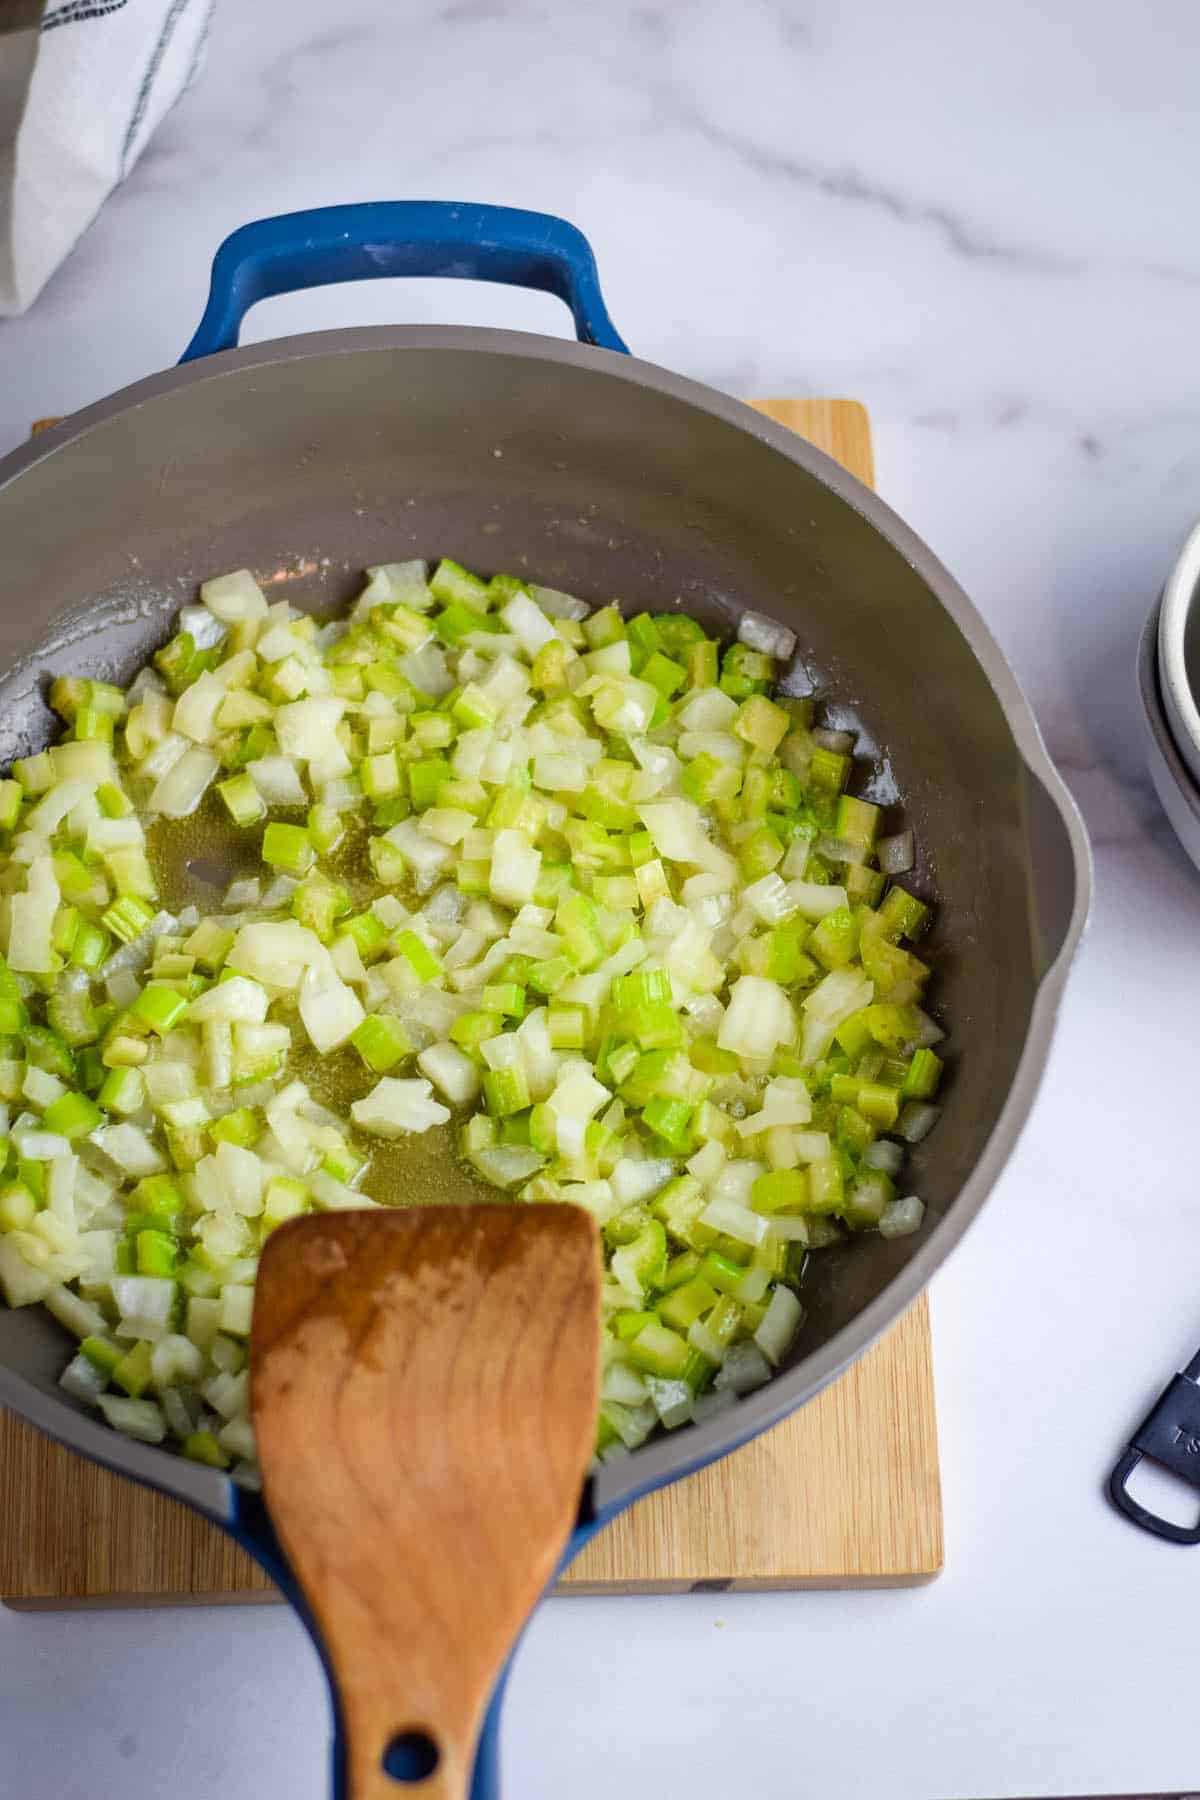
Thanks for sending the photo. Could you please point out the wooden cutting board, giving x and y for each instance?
(845, 1493)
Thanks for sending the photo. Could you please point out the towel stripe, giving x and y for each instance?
(76, 10)
(174, 14)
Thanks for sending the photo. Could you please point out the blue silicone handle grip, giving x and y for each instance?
(401, 237)
(250, 1525)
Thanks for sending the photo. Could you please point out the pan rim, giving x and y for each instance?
(664, 1459)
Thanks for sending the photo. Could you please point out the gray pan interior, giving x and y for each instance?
(314, 456)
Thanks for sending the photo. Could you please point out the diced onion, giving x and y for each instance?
(581, 882)
(758, 632)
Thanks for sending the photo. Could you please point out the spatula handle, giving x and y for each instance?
(424, 1389)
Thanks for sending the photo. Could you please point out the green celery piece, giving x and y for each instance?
(159, 1007)
(73, 1017)
(132, 1372)
(667, 676)
(723, 1274)
(288, 848)
(11, 797)
(826, 1185)
(707, 1056)
(828, 772)
(857, 821)
(603, 627)
(780, 1190)
(416, 952)
(155, 1254)
(679, 1206)
(644, 641)
(549, 672)
(242, 1127)
(866, 1199)
(643, 1262)
(684, 1305)
(451, 584)
(209, 944)
(677, 632)
(370, 934)
(505, 997)
(547, 977)
(575, 921)
(317, 903)
(471, 1029)
(202, 1447)
(503, 588)
(756, 789)
(660, 1351)
(13, 1015)
(425, 777)
(381, 1041)
(344, 1164)
(835, 941)
(568, 1024)
(923, 1076)
(102, 1354)
(702, 664)
(18, 1204)
(46, 1050)
(864, 884)
(761, 724)
(745, 672)
(505, 1091)
(72, 1116)
(160, 1194)
(852, 1132)
(901, 914)
(707, 779)
(759, 853)
(879, 1104)
(628, 1325)
(642, 987)
(127, 918)
(93, 726)
(457, 621)
(243, 801)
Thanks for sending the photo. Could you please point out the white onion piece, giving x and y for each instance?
(758, 632)
(896, 854)
(841, 742)
(278, 781)
(917, 1120)
(396, 1106)
(779, 1325)
(902, 1217)
(744, 1369)
(559, 605)
(884, 1155)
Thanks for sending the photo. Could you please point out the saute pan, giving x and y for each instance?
(605, 476)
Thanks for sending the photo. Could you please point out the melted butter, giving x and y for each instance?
(422, 1169)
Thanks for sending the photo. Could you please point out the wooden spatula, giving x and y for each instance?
(424, 1390)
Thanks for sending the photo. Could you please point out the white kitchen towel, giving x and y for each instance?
(83, 85)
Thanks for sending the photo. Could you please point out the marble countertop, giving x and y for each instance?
(979, 221)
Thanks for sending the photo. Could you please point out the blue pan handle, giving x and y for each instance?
(402, 237)
(357, 243)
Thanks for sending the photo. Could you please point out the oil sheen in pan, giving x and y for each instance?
(423, 1169)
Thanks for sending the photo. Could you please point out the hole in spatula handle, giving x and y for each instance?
(412, 1756)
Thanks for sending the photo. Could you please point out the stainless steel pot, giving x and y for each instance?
(605, 476)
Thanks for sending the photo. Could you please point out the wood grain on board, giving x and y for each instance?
(844, 1493)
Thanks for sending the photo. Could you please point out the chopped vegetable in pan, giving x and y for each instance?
(584, 891)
